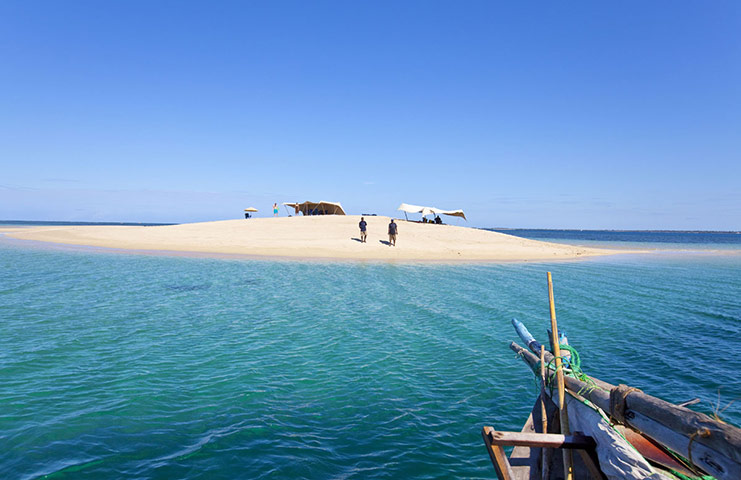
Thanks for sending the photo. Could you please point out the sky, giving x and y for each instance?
(593, 115)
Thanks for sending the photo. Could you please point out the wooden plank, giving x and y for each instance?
(721, 437)
(525, 460)
(543, 440)
(498, 457)
(709, 460)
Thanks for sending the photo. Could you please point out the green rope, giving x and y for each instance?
(575, 370)
(682, 476)
(575, 361)
(550, 379)
(571, 366)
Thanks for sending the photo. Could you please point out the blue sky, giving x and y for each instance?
(537, 115)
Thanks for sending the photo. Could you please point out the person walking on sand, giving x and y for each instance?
(275, 209)
(392, 233)
(363, 224)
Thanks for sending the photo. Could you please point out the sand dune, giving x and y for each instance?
(330, 237)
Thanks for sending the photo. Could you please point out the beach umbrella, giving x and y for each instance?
(250, 209)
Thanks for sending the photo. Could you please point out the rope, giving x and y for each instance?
(550, 375)
(702, 433)
(571, 365)
(617, 401)
(574, 363)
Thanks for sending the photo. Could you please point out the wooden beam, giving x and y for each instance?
(543, 440)
(497, 455)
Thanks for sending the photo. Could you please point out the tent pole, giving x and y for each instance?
(405, 216)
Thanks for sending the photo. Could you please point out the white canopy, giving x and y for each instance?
(405, 207)
(317, 208)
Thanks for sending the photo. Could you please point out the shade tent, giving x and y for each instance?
(408, 208)
(317, 208)
(405, 207)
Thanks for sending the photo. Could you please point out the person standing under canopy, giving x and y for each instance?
(392, 233)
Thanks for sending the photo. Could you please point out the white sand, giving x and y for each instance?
(329, 237)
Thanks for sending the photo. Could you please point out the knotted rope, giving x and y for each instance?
(617, 401)
(702, 433)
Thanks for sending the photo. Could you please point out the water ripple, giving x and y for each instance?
(152, 367)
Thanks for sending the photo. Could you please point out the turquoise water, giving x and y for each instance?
(636, 239)
(132, 366)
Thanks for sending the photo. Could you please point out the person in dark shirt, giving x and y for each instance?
(392, 233)
(363, 225)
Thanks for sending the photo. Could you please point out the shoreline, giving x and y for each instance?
(69, 247)
(325, 238)
(623, 253)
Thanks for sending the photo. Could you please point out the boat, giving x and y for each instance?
(583, 428)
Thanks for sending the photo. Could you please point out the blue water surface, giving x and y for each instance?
(645, 239)
(133, 366)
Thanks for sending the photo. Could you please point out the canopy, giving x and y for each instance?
(405, 207)
(250, 209)
(317, 208)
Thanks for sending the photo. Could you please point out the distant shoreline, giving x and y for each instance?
(52, 223)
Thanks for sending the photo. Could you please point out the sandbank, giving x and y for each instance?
(321, 237)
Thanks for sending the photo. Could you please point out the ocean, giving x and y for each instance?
(649, 240)
(118, 365)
